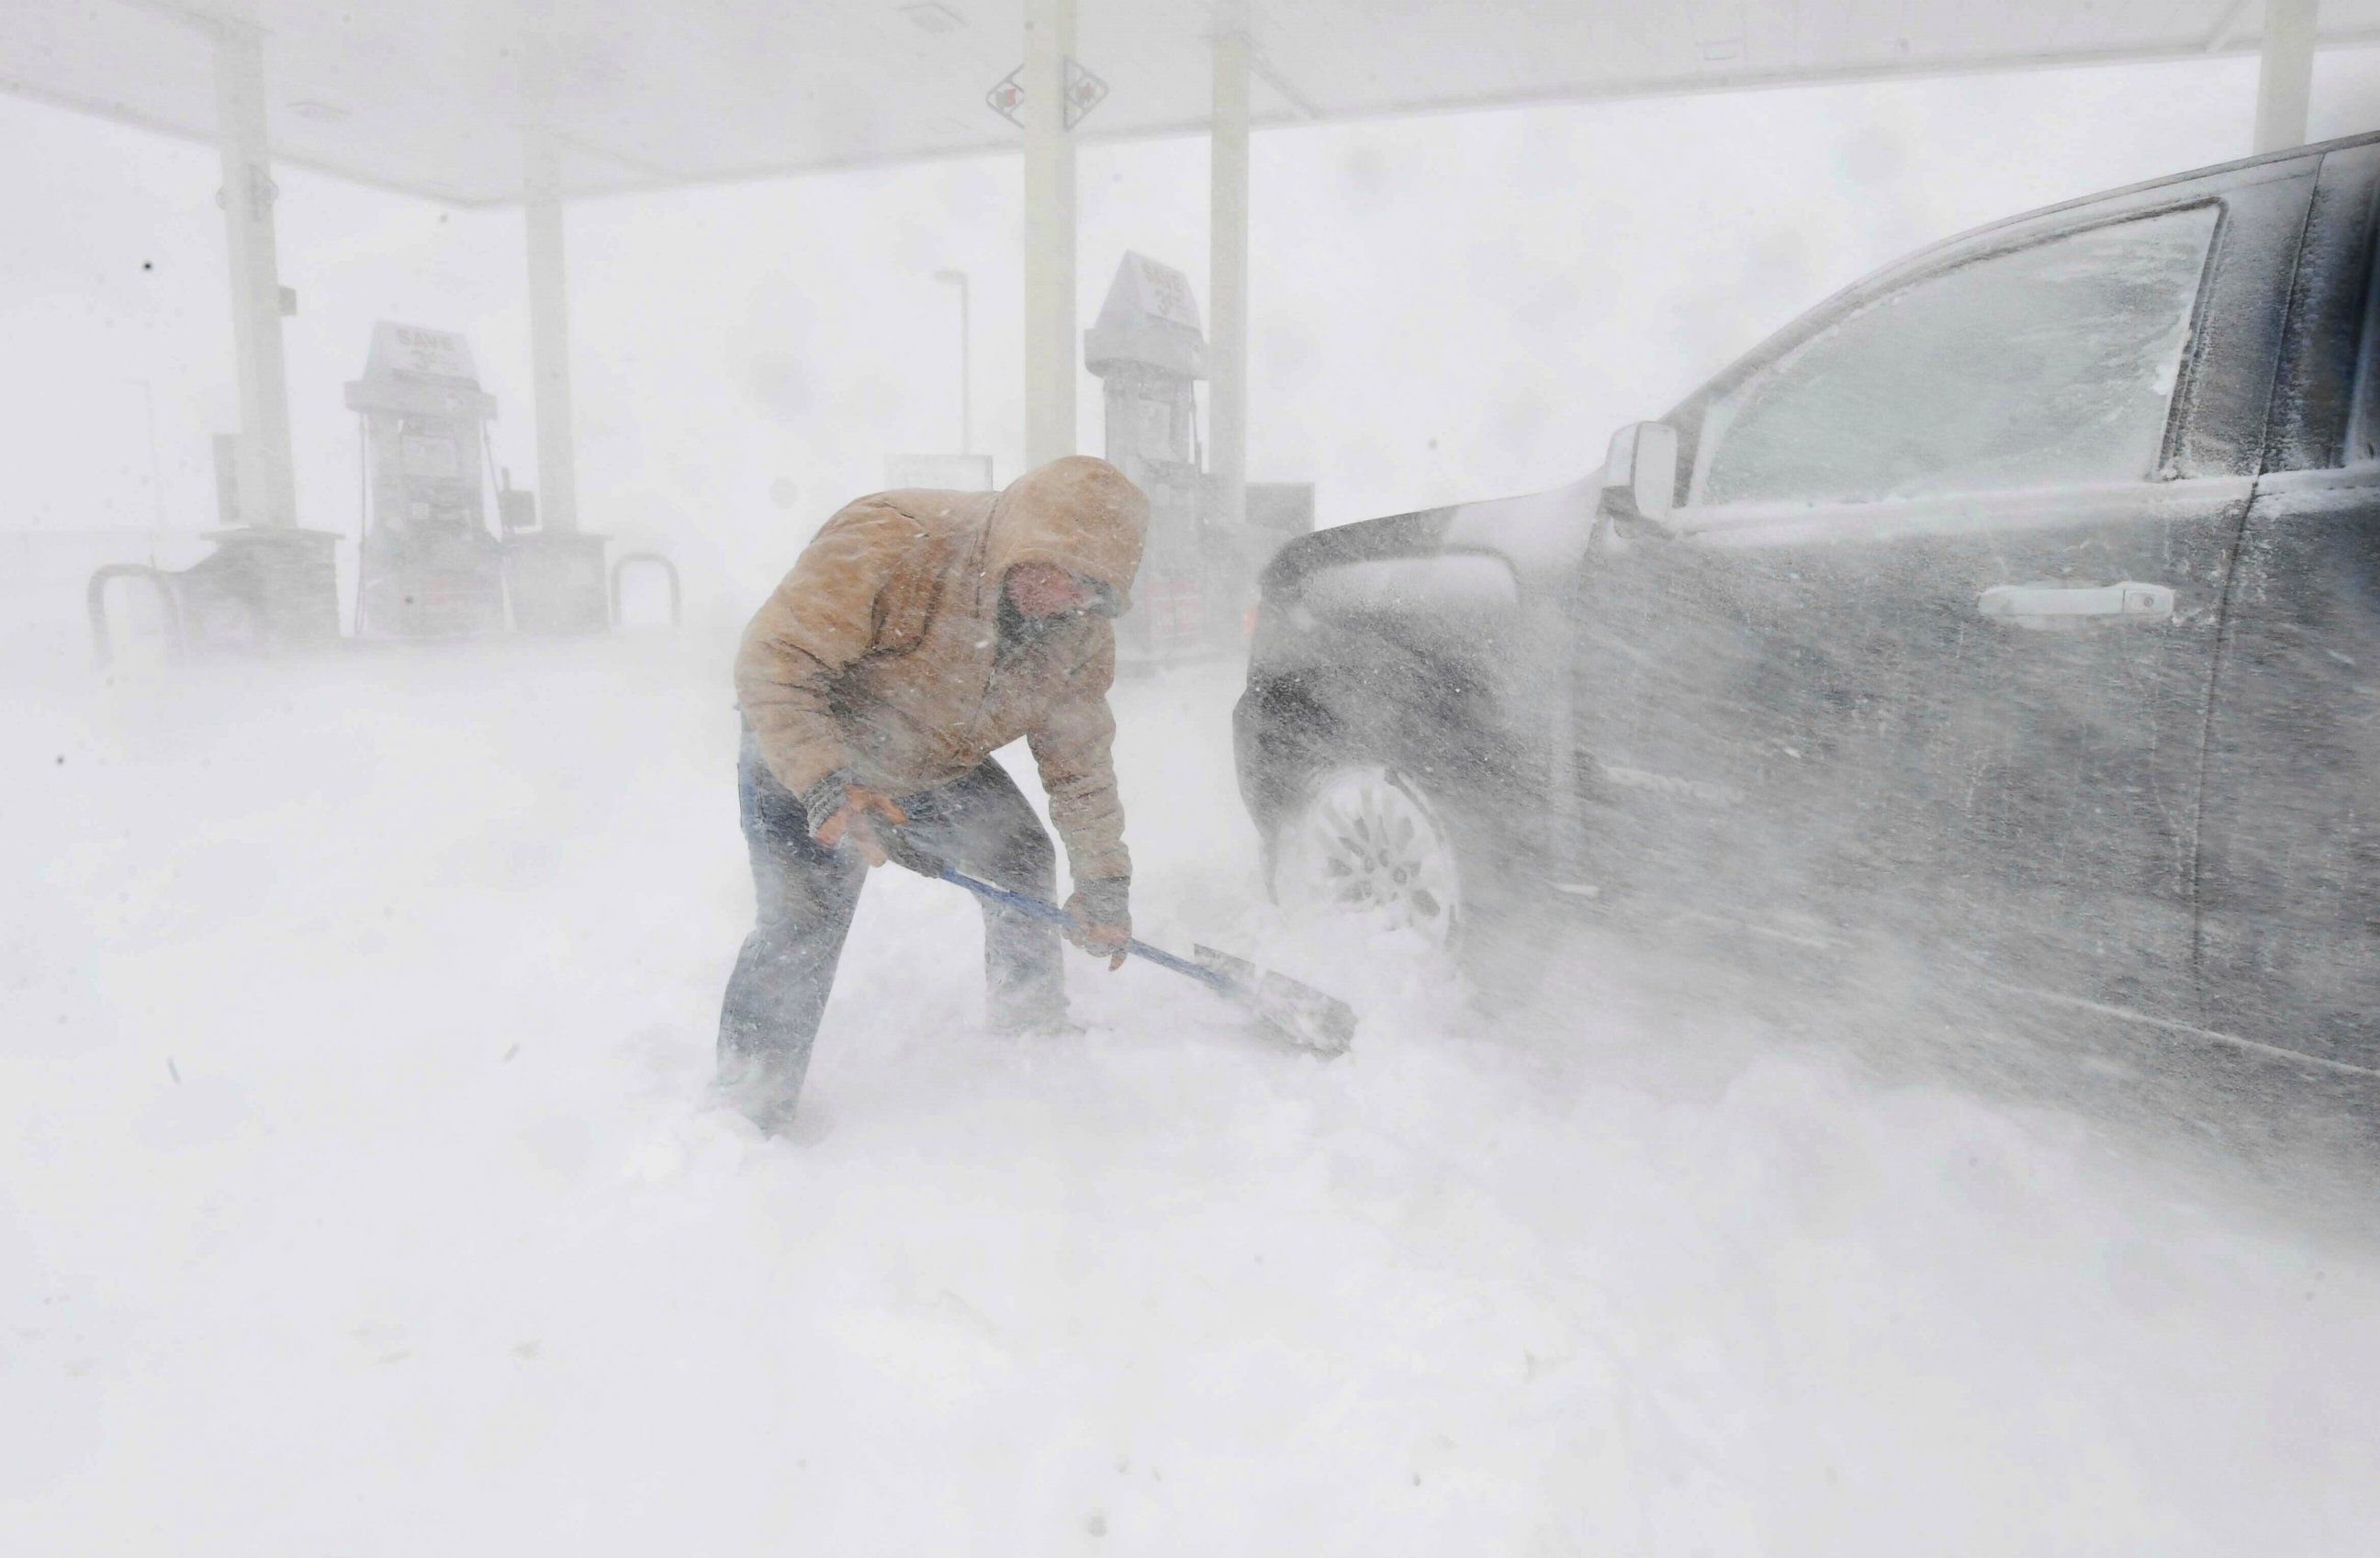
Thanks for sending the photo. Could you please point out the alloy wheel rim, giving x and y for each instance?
(1366, 846)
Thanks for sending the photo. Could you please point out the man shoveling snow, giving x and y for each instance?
(919, 632)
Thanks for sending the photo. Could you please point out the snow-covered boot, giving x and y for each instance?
(762, 1088)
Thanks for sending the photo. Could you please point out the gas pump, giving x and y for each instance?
(1148, 349)
(430, 568)
(1197, 572)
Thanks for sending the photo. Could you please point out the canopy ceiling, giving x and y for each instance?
(425, 95)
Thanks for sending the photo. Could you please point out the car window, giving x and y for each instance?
(2043, 366)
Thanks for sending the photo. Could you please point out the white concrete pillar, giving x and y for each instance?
(966, 359)
(268, 492)
(548, 334)
(1227, 221)
(1049, 336)
(2284, 74)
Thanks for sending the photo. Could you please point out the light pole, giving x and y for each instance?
(966, 377)
(156, 466)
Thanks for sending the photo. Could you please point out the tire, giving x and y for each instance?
(1365, 841)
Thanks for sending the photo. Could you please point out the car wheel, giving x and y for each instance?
(1364, 842)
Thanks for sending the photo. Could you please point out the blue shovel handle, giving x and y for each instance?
(1057, 916)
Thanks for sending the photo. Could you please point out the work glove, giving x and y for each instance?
(840, 811)
(1100, 919)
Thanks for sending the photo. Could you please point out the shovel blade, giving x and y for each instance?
(1301, 1014)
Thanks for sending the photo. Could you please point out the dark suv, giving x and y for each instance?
(2018, 607)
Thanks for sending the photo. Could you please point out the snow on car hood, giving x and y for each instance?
(1542, 532)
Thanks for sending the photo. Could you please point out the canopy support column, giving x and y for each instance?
(549, 337)
(1049, 344)
(1227, 343)
(267, 488)
(554, 574)
(267, 585)
(2284, 74)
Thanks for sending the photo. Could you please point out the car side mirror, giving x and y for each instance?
(1640, 477)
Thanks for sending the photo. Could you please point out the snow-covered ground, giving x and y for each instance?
(358, 1196)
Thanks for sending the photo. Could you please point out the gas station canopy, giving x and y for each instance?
(483, 102)
(426, 96)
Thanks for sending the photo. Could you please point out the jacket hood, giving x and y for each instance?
(1080, 514)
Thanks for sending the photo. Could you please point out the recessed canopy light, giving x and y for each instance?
(932, 17)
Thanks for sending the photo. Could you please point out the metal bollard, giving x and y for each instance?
(95, 602)
(652, 559)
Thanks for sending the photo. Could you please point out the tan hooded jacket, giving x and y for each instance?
(879, 657)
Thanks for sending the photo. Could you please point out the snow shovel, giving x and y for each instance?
(1301, 1014)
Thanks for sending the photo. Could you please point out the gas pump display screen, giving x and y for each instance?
(431, 456)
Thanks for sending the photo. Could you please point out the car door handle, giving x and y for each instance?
(2055, 606)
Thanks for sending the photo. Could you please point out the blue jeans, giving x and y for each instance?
(979, 822)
